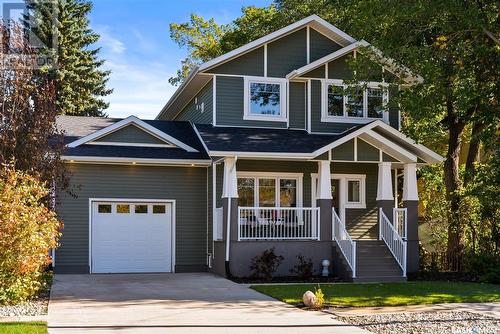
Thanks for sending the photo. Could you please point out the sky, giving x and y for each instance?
(136, 45)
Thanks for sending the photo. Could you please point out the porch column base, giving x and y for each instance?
(412, 260)
(387, 206)
(325, 219)
(234, 217)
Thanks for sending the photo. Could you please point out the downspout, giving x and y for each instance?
(228, 222)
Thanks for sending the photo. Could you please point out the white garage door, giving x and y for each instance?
(131, 237)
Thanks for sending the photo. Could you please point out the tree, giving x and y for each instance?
(28, 133)
(452, 44)
(79, 80)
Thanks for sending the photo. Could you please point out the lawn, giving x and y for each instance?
(387, 294)
(23, 328)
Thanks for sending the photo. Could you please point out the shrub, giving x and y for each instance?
(303, 269)
(28, 229)
(264, 265)
(320, 297)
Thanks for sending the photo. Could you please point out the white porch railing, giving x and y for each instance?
(393, 240)
(218, 224)
(400, 221)
(278, 223)
(344, 241)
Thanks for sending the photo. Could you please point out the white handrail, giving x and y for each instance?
(277, 223)
(346, 245)
(399, 217)
(393, 240)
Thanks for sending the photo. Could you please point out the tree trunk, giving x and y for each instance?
(452, 182)
(473, 154)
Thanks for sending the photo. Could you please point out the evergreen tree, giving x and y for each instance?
(80, 82)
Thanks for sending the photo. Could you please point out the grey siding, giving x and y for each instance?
(297, 107)
(367, 152)
(316, 73)
(251, 63)
(130, 134)
(362, 223)
(191, 113)
(229, 110)
(339, 68)
(316, 124)
(186, 185)
(287, 54)
(320, 45)
(344, 151)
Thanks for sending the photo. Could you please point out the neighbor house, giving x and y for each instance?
(257, 149)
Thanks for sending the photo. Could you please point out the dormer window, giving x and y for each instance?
(353, 105)
(265, 99)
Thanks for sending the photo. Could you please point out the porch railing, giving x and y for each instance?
(393, 240)
(265, 223)
(346, 245)
(400, 221)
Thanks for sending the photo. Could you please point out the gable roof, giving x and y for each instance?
(390, 64)
(75, 128)
(126, 122)
(195, 81)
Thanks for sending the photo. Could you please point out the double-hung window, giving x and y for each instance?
(269, 190)
(265, 99)
(353, 104)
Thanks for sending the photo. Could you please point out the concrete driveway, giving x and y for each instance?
(175, 303)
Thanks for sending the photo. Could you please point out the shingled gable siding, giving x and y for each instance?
(130, 134)
(191, 113)
(250, 63)
(320, 45)
(187, 185)
(297, 107)
(287, 54)
(230, 104)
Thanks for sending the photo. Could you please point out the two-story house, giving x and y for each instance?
(259, 148)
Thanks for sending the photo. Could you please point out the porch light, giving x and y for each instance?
(133, 162)
(192, 165)
(325, 263)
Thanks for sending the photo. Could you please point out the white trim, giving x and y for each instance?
(136, 200)
(276, 176)
(214, 100)
(345, 39)
(326, 59)
(355, 149)
(115, 160)
(178, 92)
(309, 106)
(137, 122)
(265, 60)
(326, 70)
(343, 196)
(199, 136)
(384, 184)
(379, 141)
(277, 155)
(308, 44)
(410, 187)
(282, 117)
(111, 143)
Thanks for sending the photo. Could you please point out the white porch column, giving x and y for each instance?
(230, 183)
(384, 187)
(410, 190)
(324, 180)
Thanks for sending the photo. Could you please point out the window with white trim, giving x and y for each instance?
(343, 104)
(261, 190)
(265, 99)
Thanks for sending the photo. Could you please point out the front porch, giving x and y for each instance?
(353, 202)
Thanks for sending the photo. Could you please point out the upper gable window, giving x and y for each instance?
(358, 106)
(265, 99)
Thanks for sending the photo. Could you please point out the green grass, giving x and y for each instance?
(387, 294)
(35, 327)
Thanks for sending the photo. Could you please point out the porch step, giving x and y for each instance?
(375, 263)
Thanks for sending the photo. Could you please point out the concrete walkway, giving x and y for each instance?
(487, 309)
(175, 303)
